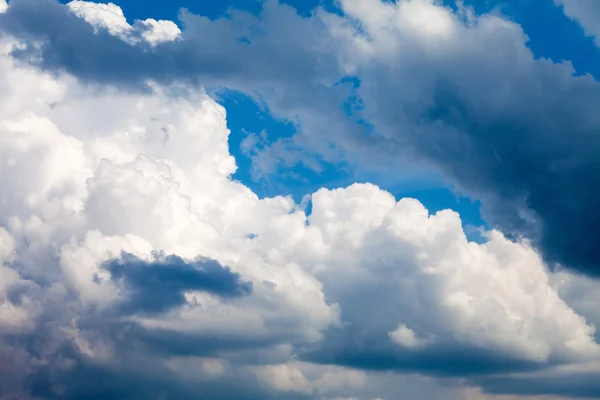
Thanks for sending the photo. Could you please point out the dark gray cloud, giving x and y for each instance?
(573, 385)
(529, 151)
(234, 52)
(539, 161)
(159, 285)
(49, 362)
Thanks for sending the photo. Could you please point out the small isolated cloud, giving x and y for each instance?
(406, 337)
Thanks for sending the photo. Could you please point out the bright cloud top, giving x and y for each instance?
(110, 16)
(127, 252)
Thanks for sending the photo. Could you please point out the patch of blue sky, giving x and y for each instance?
(244, 118)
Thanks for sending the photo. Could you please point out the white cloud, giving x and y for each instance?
(586, 13)
(406, 337)
(493, 295)
(160, 31)
(110, 16)
(476, 394)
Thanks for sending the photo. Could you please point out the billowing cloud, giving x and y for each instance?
(133, 266)
(467, 94)
(452, 90)
(433, 296)
(147, 174)
(110, 17)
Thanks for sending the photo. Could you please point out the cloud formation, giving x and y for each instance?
(449, 89)
(133, 266)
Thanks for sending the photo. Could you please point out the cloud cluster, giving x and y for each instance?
(453, 91)
(466, 93)
(133, 266)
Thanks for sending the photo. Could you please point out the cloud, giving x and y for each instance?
(110, 17)
(88, 175)
(474, 305)
(474, 101)
(280, 59)
(366, 297)
(585, 12)
(466, 97)
(161, 284)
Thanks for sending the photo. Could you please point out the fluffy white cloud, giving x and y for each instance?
(493, 295)
(110, 16)
(88, 174)
(406, 337)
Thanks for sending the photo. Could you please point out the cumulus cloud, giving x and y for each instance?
(154, 177)
(471, 97)
(446, 88)
(133, 266)
(473, 304)
(110, 17)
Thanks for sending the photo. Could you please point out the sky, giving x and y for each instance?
(299, 200)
